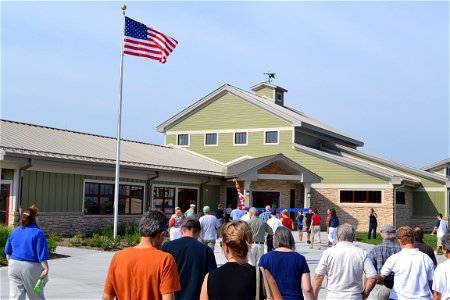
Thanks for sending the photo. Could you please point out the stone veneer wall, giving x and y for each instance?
(404, 211)
(356, 214)
(69, 224)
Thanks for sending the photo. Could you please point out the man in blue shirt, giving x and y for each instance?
(194, 259)
(238, 212)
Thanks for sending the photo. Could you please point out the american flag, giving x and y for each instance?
(144, 41)
(238, 189)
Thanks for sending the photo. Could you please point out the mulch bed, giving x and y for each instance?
(52, 256)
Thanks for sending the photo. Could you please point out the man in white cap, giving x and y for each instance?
(209, 224)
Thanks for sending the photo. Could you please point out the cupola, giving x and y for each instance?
(270, 91)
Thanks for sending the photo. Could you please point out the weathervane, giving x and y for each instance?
(270, 76)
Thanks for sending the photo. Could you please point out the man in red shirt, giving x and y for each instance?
(315, 229)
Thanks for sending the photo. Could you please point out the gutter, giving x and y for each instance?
(21, 169)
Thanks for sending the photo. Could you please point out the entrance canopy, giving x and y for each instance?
(272, 167)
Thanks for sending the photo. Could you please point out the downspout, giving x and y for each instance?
(201, 191)
(21, 169)
(149, 187)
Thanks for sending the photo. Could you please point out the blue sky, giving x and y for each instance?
(378, 71)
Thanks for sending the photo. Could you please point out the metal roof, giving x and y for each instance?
(357, 165)
(296, 118)
(395, 165)
(441, 163)
(33, 140)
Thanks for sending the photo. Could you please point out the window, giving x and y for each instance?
(360, 196)
(271, 137)
(240, 138)
(183, 139)
(164, 199)
(400, 198)
(99, 198)
(279, 97)
(211, 139)
(447, 171)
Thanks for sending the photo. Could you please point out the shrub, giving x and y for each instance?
(52, 242)
(103, 242)
(76, 240)
(132, 236)
(4, 232)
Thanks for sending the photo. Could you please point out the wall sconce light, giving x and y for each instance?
(308, 195)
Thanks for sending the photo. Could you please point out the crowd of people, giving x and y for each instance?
(401, 267)
(262, 261)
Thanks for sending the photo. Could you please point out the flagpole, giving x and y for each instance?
(119, 121)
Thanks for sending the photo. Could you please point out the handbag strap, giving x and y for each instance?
(266, 284)
(257, 284)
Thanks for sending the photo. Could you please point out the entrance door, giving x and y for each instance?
(232, 197)
(186, 197)
(262, 199)
(4, 203)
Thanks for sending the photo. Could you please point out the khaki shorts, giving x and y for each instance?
(439, 242)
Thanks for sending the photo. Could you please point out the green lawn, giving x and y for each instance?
(362, 237)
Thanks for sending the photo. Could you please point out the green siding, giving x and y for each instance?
(211, 196)
(7, 174)
(440, 171)
(229, 112)
(331, 172)
(425, 182)
(266, 91)
(171, 139)
(57, 192)
(428, 203)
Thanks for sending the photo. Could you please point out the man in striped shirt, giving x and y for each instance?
(378, 256)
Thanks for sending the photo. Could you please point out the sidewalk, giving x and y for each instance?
(82, 275)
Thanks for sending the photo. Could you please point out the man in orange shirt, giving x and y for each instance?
(144, 272)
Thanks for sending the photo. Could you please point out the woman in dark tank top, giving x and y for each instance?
(236, 279)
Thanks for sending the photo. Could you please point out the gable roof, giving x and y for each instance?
(393, 165)
(436, 165)
(250, 167)
(29, 140)
(296, 118)
(395, 178)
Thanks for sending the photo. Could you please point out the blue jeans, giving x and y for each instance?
(372, 227)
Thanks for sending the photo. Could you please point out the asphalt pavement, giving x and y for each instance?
(82, 274)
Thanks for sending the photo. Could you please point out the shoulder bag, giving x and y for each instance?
(266, 289)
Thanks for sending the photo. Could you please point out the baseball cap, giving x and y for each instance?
(388, 229)
(191, 223)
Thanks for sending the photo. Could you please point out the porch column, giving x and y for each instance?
(247, 192)
(307, 194)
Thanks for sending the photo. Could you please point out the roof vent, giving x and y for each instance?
(273, 92)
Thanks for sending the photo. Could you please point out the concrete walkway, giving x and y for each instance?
(82, 274)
